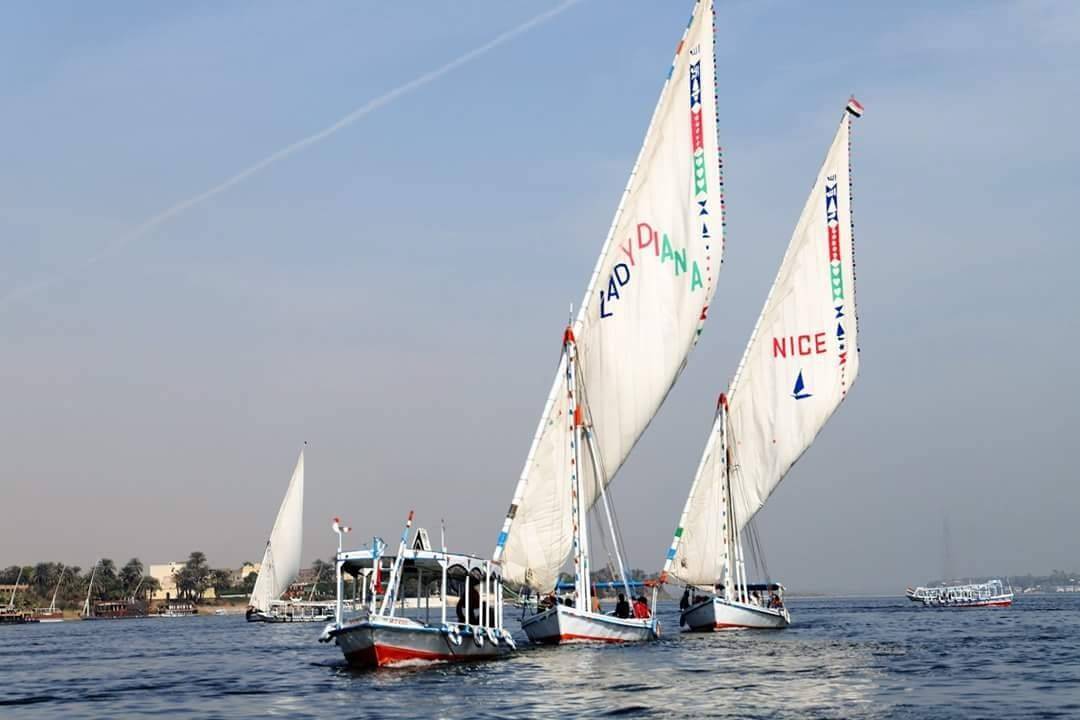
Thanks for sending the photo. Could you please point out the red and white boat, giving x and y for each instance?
(988, 594)
(568, 624)
(383, 634)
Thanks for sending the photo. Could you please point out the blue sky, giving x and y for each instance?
(395, 294)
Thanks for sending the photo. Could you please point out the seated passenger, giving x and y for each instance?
(641, 609)
(622, 608)
(685, 602)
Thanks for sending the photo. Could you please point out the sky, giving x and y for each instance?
(395, 293)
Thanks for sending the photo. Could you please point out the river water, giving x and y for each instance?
(842, 658)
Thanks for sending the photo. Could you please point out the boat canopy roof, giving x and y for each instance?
(361, 562)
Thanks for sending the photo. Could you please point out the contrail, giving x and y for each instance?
(303, 143)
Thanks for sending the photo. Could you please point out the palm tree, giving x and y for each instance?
(130, 576)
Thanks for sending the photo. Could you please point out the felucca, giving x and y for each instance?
(281, 561)
(798, 367)
(643, 310)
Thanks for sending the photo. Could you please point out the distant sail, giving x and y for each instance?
(281, 560)
(644, 308)
(801, 360)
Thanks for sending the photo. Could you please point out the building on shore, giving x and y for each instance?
(165, 574)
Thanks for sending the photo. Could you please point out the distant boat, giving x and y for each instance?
(643, 311)
(110, 609)
(176, 609)
(801, 361)
(281, 559)
(52, 614)
(9, 614)
(988, 594)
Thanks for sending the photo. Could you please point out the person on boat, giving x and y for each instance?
(622, 607)
(596, 602)
(685, 602)
(641, 608)
(474, 605)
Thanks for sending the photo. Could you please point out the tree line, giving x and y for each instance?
(193, 580)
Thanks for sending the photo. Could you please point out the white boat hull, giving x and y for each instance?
(398, 641)
(719, 614)
(565, 624)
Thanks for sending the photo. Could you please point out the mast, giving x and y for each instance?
(52, 605)
(578, 513)
(11, 602)
(89, 588)
(607, 513)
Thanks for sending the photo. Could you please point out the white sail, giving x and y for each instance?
(281, 560)
(643, 310)
(801, 361)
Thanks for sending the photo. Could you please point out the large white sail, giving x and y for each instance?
(643, 310)
(801, 361)
(281, 560)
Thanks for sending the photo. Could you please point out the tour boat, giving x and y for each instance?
(644, 308)
(177, 609)
(9, 614)
(383, 634)
(988, 594)
(281, 558)
(800, 362)
(110, 609)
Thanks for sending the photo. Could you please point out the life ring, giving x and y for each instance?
(509, 639)
(493, 636)
(478, 636)
(454, 636)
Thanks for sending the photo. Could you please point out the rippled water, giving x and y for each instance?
(865, 657)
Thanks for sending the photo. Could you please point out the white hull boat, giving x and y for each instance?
(717, 613)
(390, 641)
(384, 635)
(566, 624)
(798, 366)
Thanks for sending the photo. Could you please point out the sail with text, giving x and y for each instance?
(281, 560)
(801, 361)
(643, 311)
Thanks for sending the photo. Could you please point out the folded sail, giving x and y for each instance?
(643, 311)
(801, 361)
(281, 560)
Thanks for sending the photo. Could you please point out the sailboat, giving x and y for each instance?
(281, 559)
(52, 614)
(9, 614)
(643, 311)
(798, 367)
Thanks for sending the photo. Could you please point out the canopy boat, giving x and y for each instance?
(988, 594)
(281, 559)
(643, 311)
(801, 361)
(384, 633)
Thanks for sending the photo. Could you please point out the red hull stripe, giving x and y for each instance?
(589, 638)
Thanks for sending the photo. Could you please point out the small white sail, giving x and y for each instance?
(281, 560)
(643, 310)
(801, 361)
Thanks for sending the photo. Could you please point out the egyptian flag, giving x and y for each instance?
(854, 107)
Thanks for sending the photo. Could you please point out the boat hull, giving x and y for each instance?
(260, 616)
(374, 644)
(719, 614)
(565, 624)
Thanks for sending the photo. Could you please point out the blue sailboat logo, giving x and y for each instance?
(800, 388)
